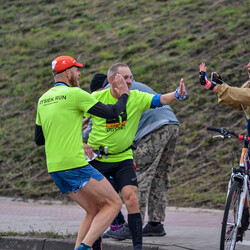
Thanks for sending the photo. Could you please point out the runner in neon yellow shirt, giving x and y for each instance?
(118, 134)
(58, 125)
(63, 150)
(115, 137)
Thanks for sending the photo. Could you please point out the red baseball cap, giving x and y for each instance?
(62, 63)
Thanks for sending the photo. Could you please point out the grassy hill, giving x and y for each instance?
(161, 41)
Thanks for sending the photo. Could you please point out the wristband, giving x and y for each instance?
(210, 85)
(203, 77)
(178, 96)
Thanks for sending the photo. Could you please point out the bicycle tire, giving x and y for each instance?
(229, 228)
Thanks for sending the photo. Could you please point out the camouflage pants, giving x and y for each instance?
(154, 158)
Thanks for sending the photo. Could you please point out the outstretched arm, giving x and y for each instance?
(121, 91)
(109, 111)
(234, 96)
(227, 95)
(179, 94)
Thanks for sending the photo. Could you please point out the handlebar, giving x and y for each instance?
(225, 132)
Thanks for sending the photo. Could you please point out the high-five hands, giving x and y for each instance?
(215, 78)
(181, 91)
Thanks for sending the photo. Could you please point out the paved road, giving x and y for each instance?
(186, 228)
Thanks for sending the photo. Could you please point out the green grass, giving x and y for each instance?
(38, 234)
(161, 41)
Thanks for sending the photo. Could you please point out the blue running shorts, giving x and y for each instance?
(75, 179)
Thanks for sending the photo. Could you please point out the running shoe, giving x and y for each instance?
(150, 230)
(120, 234)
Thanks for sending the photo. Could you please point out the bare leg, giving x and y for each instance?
(101, 203)
(129, 195)
(91, 211)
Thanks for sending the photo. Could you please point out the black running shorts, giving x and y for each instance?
(122, 172)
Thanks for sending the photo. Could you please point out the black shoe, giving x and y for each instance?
(121, 234)
(98, 244)
(150, 230)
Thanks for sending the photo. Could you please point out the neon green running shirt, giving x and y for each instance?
(60, 112)
(118, 134)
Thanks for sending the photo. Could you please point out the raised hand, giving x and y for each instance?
(203, 74)
(181, 91)
(203, 78)
(203, 67)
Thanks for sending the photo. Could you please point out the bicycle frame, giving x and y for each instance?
(244, 162)
(239, 181)
(241, 176)
(243, 167)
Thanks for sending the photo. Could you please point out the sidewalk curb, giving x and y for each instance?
(14, 243)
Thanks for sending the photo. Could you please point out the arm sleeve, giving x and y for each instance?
(39, 137)
(156, 101)
(109, 111)
(233, 96)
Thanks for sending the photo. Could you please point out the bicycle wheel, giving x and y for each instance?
(229, 228)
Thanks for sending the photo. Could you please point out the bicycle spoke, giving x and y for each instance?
(229, 225)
